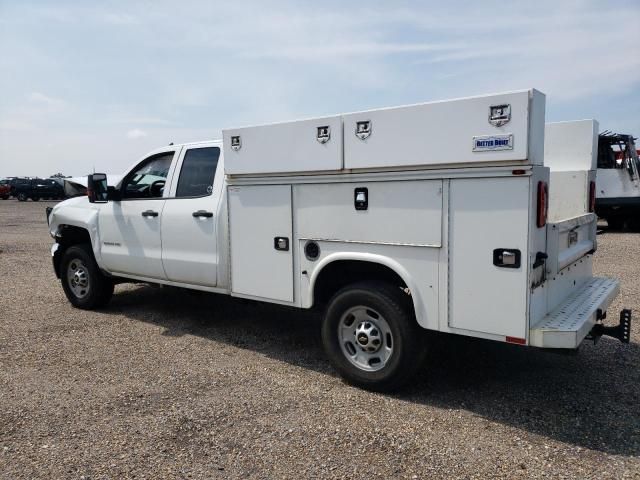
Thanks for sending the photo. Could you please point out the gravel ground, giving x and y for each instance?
(167, 383)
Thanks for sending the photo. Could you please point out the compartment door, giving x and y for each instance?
(260, 226)
(488, 214)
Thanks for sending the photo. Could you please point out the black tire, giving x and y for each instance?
(634, 225)
(615, 223)
(408, 338)
(22, 197)
(6, 197)
(35, 199)
(99, 288)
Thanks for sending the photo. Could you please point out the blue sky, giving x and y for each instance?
(97, 84)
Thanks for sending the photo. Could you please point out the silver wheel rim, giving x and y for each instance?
(365, 338)
(78, 278)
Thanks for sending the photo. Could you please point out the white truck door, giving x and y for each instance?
(489, 217)
(130, 227)
(261, 231)
(189, 218)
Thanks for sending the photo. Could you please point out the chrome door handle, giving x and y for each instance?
(149, 213)
(202, 213)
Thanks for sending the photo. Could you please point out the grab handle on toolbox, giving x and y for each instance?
(622, 331)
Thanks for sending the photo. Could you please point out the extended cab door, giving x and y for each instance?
(130, 228)
(190, 218)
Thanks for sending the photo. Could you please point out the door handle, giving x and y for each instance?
(202, 213)
(149, 213)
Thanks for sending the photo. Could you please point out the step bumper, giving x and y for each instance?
(571, 321)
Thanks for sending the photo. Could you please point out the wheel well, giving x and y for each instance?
(68, 235)
(341, 273)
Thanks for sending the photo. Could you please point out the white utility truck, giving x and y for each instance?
(618, 191)
(393, 221)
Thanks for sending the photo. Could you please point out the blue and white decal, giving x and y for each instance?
(491, 143)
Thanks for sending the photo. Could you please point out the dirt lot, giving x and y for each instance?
(172, 384)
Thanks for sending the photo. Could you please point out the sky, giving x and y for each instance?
(93, 86)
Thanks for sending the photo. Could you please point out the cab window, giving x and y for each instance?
(149, 178)
(198, 172)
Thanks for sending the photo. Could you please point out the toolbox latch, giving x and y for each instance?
(324, 134)
(363, 129)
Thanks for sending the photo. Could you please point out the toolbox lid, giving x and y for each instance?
(476, 131)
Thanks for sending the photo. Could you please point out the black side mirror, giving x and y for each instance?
(97, 189)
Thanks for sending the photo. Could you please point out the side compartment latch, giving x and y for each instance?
(281, 244)
(507, 257)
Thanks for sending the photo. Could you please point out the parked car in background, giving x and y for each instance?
(5, 189)
(37, 188)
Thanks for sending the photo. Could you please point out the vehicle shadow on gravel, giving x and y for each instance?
(589, 399)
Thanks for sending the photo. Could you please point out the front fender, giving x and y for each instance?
(77, 212)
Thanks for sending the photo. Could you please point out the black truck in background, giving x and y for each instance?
(35, 189)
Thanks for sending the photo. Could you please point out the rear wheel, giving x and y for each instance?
(35, 199)
(83, 283)
(615, 223)
(371, 336)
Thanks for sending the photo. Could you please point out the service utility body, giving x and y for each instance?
(394, 222)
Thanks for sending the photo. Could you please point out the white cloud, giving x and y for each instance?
(136, 133)
(119, 19)
(41, 98)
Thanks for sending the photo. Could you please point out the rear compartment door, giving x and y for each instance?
(488, 214)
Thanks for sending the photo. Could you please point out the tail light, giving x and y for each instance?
(543, 204)
(592, 196)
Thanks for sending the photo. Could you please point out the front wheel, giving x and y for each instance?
(22, 197)
(371, 336)
(83, 283)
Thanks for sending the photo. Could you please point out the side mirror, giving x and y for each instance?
(97, 189)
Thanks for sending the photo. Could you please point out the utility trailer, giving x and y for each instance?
(393, 222)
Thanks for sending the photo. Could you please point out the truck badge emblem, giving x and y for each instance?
(236, 143)
(363, 129)
(499, 115)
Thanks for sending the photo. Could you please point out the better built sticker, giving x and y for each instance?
(493, 143)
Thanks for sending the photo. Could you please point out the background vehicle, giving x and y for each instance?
(37, 188)
(5, 189)
(393, 221)
(618, 184)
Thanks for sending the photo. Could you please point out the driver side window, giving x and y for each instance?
(149, 178)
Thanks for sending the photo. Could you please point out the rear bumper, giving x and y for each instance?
(569, 324)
